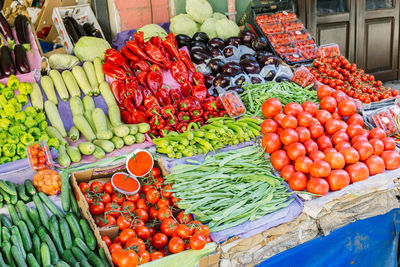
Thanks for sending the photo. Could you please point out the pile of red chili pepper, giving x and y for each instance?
(138, 87)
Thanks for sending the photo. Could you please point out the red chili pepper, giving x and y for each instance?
(134, 91)
(141, 76)
(118, 89)
(207, 115)
(179, 71)
(199, 120)
(139, 116)
(222, 113)
(128, 104)
(155, 110)
(141, 65)
(186, 104)
(198, 78)
(186, 89)
(128, 54)
(210, 104)
(170, 44)
(139, 38)
(157, 41)
(167, 111)
(181, 127)
(113, 70)
(215, 114)
(150, 102)
(157, 122)
(126, 117)
(186, 59)
(155, 53)
(163, 97)
(127, 69)
(154, 133)
(142, 108)
(112, 55)
(183, 116)
(135, 49)
(196, 113)
(167, 129)
(175, 95)
(172, 120)
(146, 92)
(154, 81)
(200, 92)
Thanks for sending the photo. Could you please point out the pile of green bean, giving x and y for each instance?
(229, 188)
(255, 95)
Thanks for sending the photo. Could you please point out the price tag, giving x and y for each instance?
(285, 13)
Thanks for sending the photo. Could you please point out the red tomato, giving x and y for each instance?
(324, 90)
(126, 258)
(296, 150)
(342, 145)
(96, 208)
(377, 145)
(271, 142)
(184, 231)
(156, 255)
(184, 218)
(287, 171)
(332, 126)
(96, 187)
(391, 159)
(202, 229)
(156, 172)
(114, 247)
(163, 202)
(377, 133)
(134, 198)
(336, 116)
(289, 136)
(304, 134)
(323, 116)
(357, 171)
(153, 212)
(159, 240)
(305, 119)
(310, 146)
(143, 215)
(316, 155)
(354, 129)
(118, 198)
(347, 108)
(197, 241)
(141, 204)
(310, 107)
(358, 138)
(269, 126)
(124, 222)
(108, 188)
(278, 118)
(293, 108)
(147, 187)
(139, 243)
(316, 131)
(85, 187)
(279, 159)
(107, 240)
(339, 96)
(320, 168)
(338, 179)
(112, 209)
(328, 103)
(318, 186)
(350, 155)
(329, 149)
(168, 226)
(144, 256)
(375, 165)
(388, 143)
(107, 220)
(106, 198)
(355, 118)
(152, 196)
(167, 191)
(324, 142)
(340, 136)
(163, 213)
(303, 164)
(143, 232)
(126, 234)
(289, 121)
(176, 245)
(363, 148)
(298, 181)
(271, 107)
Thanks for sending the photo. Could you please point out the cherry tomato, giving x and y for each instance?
(118, 198)
(108, 188)
(184, 231)
(96, 208)
(155, 172)
(142, 232)
(176, 245)
(96, 187)
(85, 187)
(184, 218)
(107, 240)
(197, 241)
(152, 196)
(168, 226)
(159, 240)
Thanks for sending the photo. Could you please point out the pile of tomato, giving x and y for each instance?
(324, 148)
(149, 229)
(337, 72)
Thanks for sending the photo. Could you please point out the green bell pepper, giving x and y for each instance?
(27, 139)
(21, 149)
(12, 139)
(8, 93)
(54, 142)
(43, 125)
(40, 117)
(12, 82)
(16, 157)
(2, 87)
(10, 111)
(4, 123)
(9, 150)
(20, 117)
(4, 160)
(22, 99)
(30, 122)
(25, 88)
(30, 111)
(3, 101)
(35, 132)
(44, 136)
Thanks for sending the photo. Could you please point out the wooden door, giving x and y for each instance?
(377, 48)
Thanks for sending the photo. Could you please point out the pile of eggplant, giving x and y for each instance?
(76, 31)
(230, 64)
(9, 64)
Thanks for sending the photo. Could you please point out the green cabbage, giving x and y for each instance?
(87, 48)
(200, 10)
(183, 24)
(209, 27)
(219, 16)
(226, 28)
(151, 30)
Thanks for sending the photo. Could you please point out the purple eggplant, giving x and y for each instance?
(216, 65)
(198, 48)
(21, 61)
(215, 52)
(183, 40)
(222, 80)
(21, 27)
(201, 36)
(78, 28)
(228, 51)
(270, 75)
(208, 80)
(255, 80)
(261, 54)
(239, 81)
(260, 43)
(269, 60)
(6, 61)
(5, 28)
(199, 44)
(234, 41)
(247, 36)
(216, 43)
(199, 57)
(248, 56)
(71, 30)
(231, 69)
(250, 66)
(238, 89)
(282, 79)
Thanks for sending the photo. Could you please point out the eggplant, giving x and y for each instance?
(21, 61)
(234, 41)
(216, 43)
(228, 51)
(201, 36)
(239, 81)
(269, 60)
(21, 27)
(238, 89)
(221, 80)
(198, 48)
(232, 69)
(248, 56)
(199, 57)
(282, 79)
(200, 44)
(250, 66)
(270, 75)
(255, 80)
(183, 40)
(261, 54)
(78, 28)
(247, 36)
(208, 80)
(6, 61)
(89, 28)
(69, 27)
(216, 65)
(215, 52)
(5, 28)
(260, 43)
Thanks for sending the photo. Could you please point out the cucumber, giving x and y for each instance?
(26, 238)
(54, 117)
(66, 204)
(73, 134)
(65, 233)
(79, 255)
(14, 199)
(62, 264)
(91, 75)
(74, 225)
(74, 204)
(15, 240)
(133, 129)
(88, 103)
(81, 79)
(105, 91)
(89, 236)
(76, 106)
(121, 130)
(88, 116)
(1, 232)
(86, 148)
(6, 196)
(59, 84)
(8, 188)
(17, 256)
(55, 233)
(5, 234)
(140, 138)
(103, 257)
(2, 263)
(36, 247)
(118, 142)
(63, 158)
(69, 257)
(115, 115)
(85, 263)
(82, 246)
(48, 88)
(32, 262)
(24, 216)
(6, 249)
(22, 193)
(5, 221)
(99, 120)
(106, 145)
(13, 214)
(30, 189)
(98, 152)
(98, 68)
(53, 250)
(50, 205)
(74, 154)
(129, 140)
(84, 127)
(143, 127)
(45, 254)
(44, 217)
(36, 97)
(94, 259)
(34, 216)
(53, 132)
(71, 84)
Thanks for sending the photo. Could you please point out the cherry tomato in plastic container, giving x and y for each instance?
(305, 43)
(266, 19)
(272, 28)
(285, 16)
(285, 49)
(299, 35)
(39, 156)
(309, 54)
(293, 25)
(279, 38)
(292, 58)
(232, 103)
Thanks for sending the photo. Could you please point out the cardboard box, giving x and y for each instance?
(82, 14)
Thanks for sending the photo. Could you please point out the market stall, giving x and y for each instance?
(192, 142)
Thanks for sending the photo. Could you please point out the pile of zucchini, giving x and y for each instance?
(33, 238)
(11, 193)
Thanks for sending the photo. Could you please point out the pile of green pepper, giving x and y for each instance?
(219, 133)
(19, 127)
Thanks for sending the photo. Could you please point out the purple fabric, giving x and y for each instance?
(121, 38)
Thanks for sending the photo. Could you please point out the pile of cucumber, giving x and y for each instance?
(33, 238)
(11, 193)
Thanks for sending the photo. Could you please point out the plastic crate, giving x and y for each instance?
(294, 58)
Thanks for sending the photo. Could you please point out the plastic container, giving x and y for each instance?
(303, 77)
(309, 54)
(39, 156)
(266, 19)
(328, 50)
(283, 16)
(299, 35)
(307, 47)
(293, 58)
(279, 38)
(384, 120)
(306, 43)
(128, 180)
(293, 25)
(272, 28)
(232, 103)
(137, 160)
(289, 48)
